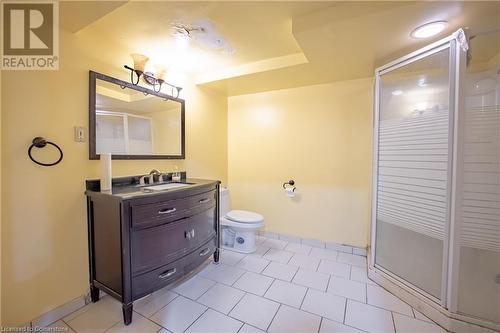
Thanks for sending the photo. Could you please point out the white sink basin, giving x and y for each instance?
(164, 187)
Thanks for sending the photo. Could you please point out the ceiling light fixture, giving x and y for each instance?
(428, 30)
(397, 92)
(422, 82)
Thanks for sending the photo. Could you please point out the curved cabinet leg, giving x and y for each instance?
(94, 294)
(127, 313)
(216, 256)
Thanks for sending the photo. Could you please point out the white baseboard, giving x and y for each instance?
(359, 251)
(59, 312)
(63, 310)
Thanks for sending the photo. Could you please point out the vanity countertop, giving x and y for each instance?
(127, 188)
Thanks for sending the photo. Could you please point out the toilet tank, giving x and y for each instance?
(225, 205)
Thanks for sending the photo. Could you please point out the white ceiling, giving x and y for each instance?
(277, 44)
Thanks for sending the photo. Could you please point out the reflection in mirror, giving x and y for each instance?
(131, 123)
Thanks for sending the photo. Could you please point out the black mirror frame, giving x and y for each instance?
(93, 76)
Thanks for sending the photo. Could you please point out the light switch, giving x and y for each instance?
(79, 134)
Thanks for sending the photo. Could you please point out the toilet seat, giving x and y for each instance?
(243, 216)
(241, 226)
(242, 219)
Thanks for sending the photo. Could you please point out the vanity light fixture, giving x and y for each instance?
(428, 30)
(157, 81)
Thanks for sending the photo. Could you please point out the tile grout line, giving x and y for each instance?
(194, 321)
(206, 291)
(317, 266)
(399, 312)
(244, 323)
(161, 308)
(270, 323)
(265, 267)
(303, 299)
(69, 325)
(245, 293)
(345, 311)
(274, 279)
(380, 308)
(139, 314)
(293, 277)
(227, 315)
(393, 322)
(289, 259)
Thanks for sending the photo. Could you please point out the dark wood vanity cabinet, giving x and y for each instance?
(140, 242)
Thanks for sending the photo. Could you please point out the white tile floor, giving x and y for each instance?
(283, 287)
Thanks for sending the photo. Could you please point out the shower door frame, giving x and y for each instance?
(450, 242)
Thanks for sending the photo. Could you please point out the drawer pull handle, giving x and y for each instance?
(167, 210)
(168, 273)
(204, 200)
(189, 234)
(205, 252)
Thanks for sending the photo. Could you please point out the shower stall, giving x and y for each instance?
(436, 191)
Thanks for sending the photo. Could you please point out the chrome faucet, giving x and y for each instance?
(150, 177)
(153, 173)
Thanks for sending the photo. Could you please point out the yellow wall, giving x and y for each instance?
(320, 136)
(44, 232)
(0, 197)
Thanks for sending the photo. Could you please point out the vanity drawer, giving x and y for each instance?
(156, 279)
(150, 214)
(196, 258)
(157, 246)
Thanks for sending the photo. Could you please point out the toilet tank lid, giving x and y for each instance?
(244, 216)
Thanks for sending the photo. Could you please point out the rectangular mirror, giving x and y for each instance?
(134, 122)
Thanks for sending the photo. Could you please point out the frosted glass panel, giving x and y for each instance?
(413, 155)
(110, 129)
(140, 136)
(479, 177)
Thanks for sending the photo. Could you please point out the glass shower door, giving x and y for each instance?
(478, 207)
(414, 142)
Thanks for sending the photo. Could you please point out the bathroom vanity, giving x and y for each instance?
(142, 238)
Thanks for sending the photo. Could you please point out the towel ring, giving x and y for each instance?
(40, 142)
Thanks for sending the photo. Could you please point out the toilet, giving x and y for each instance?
(238, 227)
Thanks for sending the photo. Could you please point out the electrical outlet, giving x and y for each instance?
(79, 134)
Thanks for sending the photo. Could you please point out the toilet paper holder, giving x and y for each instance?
(289, 184)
